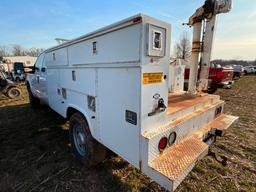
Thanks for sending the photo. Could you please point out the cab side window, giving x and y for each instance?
(39, 63)
(43, 65)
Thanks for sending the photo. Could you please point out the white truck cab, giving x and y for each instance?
(112, 85)
(37, 80)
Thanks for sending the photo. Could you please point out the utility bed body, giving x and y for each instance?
(115, 77)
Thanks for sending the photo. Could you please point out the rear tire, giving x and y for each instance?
(34, 102)
(212, 90)
(84, 147)
(13, 92)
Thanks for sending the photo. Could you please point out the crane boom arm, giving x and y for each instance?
(206, 13)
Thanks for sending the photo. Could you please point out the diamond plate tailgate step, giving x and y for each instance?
(223, 122)
(176, 163)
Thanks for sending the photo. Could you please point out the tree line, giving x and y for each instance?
(234, 62)
(182, 50)
(18, 50)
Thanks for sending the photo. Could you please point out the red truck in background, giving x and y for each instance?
(218, 77)
(227, 79)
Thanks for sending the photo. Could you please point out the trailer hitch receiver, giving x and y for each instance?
(210, 137)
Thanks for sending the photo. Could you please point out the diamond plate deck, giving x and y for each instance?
(179, 102)
(174, 162)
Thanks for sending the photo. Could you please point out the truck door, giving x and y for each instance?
(39, 79)
(35, 77)
(42, 82)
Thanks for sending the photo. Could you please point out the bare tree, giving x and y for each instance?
(183, 47)
(4, 51)
(34, 52)
(17, 50)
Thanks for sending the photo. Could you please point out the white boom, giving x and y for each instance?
(205, 14)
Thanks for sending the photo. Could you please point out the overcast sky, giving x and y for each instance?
(36, 23)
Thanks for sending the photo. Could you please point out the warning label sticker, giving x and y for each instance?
(152, 78)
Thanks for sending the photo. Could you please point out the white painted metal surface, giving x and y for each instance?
(206, 55)
(176, 76)
(109, 65)
(197, 27)
(207, 15)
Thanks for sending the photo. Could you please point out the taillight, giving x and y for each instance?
(172, 138)
(162, 144)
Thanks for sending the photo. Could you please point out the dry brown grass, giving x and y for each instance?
(35, 154)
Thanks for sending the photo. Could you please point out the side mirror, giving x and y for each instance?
(43, 69)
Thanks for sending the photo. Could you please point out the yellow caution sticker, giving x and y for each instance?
(152, 78)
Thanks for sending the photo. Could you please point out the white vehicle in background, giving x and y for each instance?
(112, 85)
(238, 70)
(249, 70)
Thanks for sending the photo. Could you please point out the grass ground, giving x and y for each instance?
(35, 153)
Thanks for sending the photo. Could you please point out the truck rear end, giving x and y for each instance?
(177, 129)
(190, 126)
(115, 83)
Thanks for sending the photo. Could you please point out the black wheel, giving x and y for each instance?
(13, 92)
(34, 102)
(212, 90)
(84, 147)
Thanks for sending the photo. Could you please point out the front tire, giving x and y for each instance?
(84, 147)
(13, 92)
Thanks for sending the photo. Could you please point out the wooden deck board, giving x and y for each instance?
(178, 102)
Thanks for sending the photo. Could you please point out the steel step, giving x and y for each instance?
(223, 122)
(174, 164)
(177, 162)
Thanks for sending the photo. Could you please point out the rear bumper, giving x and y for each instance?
(174, 165)
(227, 84)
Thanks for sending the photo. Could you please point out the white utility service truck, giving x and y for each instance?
(112, 85)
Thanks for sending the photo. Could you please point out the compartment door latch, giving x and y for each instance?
(160, 107)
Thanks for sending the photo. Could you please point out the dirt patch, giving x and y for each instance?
(35, 153)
